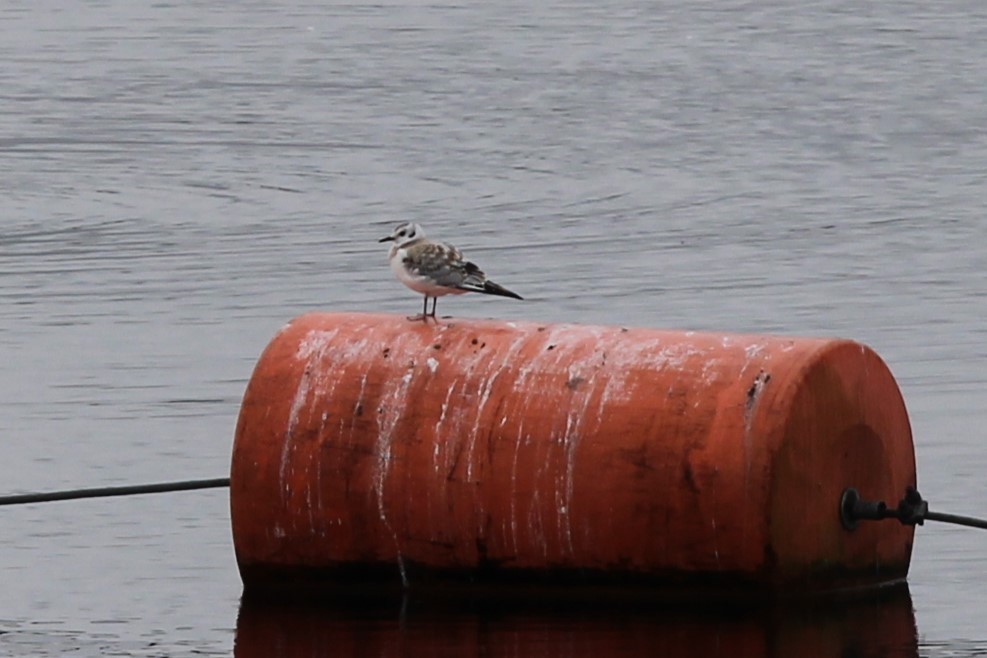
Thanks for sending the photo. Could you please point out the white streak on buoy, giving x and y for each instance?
(358, 405)
(392, 409)
(493, 373)
(517, 451)
(311, 350)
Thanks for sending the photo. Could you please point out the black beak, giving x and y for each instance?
(389, 238)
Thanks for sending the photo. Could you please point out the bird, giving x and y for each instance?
(435, 269)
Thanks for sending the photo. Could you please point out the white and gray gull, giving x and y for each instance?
(435, 269)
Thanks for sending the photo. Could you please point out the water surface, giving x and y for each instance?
(180, 180)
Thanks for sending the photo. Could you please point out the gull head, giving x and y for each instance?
(404, 233)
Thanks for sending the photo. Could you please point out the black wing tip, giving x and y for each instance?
(491, 288)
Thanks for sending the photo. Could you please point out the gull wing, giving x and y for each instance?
(444, 264)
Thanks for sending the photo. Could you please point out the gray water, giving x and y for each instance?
(179, 180)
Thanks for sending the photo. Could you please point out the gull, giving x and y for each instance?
(435, 269)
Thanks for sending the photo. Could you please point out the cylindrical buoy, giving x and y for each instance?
(376, 451)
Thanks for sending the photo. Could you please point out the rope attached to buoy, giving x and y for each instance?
(911, 510)
(105, 492)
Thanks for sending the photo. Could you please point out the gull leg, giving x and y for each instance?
(424, 314)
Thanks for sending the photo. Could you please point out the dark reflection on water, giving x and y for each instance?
(880, 623)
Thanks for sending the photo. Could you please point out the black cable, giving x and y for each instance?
(852, 507)
(104, 492)
(957, 519)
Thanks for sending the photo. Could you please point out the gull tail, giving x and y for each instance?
(491, 288)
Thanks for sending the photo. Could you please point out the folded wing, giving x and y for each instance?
(445, 265)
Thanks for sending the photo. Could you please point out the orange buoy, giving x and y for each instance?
(371, 450)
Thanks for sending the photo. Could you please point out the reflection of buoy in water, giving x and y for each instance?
(875, 622)
(370, 449)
